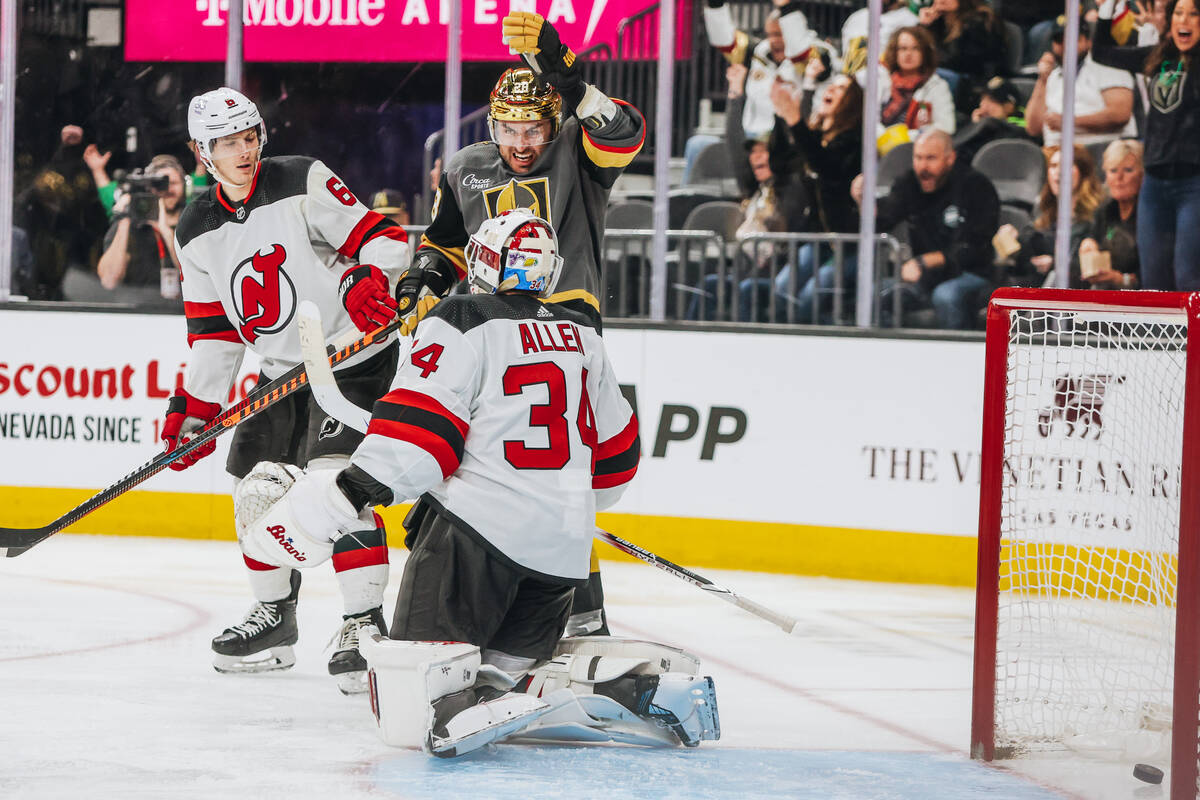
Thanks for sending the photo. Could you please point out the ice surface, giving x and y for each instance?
(106, 690)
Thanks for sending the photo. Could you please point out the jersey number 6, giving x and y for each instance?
(550, 415)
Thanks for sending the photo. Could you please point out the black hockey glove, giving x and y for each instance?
(714, 3)
(535, 40)
(429, 279)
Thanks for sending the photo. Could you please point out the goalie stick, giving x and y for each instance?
(335, 404)
(320, 375)
(15, 541)
(786, 623)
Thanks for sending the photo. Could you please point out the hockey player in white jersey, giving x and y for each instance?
(508, 423)
(271, 233)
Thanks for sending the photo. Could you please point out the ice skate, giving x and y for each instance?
(686, 704)
(346, 664)
(262, 642)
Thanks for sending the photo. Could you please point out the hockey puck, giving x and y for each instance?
(1147, 773)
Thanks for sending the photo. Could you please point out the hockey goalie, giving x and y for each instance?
(507, 425)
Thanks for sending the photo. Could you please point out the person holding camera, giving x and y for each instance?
(139, 248)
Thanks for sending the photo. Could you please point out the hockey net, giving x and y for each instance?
(1080, 564)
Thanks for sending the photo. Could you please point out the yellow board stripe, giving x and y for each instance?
(1036, 569)
(721, 544)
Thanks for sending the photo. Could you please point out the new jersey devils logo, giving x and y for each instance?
(263, 294)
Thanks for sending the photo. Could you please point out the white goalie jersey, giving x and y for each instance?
(508, 413)
(246, 266)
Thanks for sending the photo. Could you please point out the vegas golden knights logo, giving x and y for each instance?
(533, 194)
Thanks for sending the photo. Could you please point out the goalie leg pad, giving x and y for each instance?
(631, 691)
(659, 658)
(423, 695)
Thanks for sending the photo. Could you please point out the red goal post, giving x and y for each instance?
(1087, 624)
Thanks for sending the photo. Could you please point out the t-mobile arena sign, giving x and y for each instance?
(360, 30)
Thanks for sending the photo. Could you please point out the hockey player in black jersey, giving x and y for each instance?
(558, 146)
(508, 423)
(271, 233)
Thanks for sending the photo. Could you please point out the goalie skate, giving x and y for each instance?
(262, 642)
(347, 664)
(484, 723)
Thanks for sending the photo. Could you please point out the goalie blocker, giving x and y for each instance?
(442, 697)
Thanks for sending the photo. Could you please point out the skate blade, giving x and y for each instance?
(270, 660)
(352, 682)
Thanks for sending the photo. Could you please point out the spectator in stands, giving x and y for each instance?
(1032, 265)
(998, 116)
(140, 243)
(829, 145)
(951, 213)
(392, 205)
(787, 41)
(1103, 96)
(62, 216)
(896, 14)
(970, 44)
(1169, 202)
(780, 202)
(918, 97)
(1114, 226)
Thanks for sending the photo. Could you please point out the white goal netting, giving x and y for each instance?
(1089, 532)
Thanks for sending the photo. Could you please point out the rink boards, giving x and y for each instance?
(826, 455)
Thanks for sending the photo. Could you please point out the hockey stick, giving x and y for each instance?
(15, 541)
(788, 624)
(330, 398)
(320, 375)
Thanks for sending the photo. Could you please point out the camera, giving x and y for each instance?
(144, 191)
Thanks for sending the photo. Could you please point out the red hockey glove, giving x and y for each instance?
(364, 293)
(185, 416)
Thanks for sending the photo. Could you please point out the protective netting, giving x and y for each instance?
(1089, 532)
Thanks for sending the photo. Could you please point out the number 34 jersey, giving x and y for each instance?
(508, 413)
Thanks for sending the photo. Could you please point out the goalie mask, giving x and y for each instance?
(521, 97)
(222, 112)
(516, 251)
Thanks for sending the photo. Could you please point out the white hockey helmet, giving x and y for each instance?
(218, 113)
(514, 251)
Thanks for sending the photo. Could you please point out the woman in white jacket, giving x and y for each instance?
(914, 95)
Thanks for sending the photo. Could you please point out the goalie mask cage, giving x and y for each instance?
(1087, 624)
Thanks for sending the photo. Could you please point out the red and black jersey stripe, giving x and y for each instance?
(207, 322)
(616, 460)
(419, 419)
(371, 226)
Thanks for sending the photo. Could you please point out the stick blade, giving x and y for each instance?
(15, 541)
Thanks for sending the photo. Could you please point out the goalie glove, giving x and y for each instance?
(306, 514)
(364, 293)
(185, 417)
(431, 275)
(530, 36)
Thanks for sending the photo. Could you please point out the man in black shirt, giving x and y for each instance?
(951, 213)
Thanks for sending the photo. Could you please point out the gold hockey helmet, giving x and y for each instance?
(520, 96)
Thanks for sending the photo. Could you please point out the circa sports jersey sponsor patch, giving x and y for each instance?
(263, 294)
(471, 182)
(533, 194)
